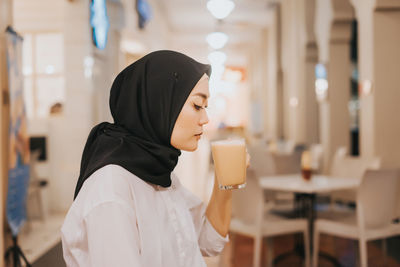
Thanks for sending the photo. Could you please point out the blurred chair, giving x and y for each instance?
(265, 163)
(35, 206)
(288, 146)
(340, 153)
(376, 198)
(261, 161)
(281, 146)
(251, 217)
(261, 164)
(287, 163)
(317, 152)
(352, 168)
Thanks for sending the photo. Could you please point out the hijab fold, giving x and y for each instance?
(145, 101)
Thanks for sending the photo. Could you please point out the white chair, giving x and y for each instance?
(376, 198)
(36, 208)
(352, 168)
(287, 163)
(340, 153)
(286, 146)
(261, 160)
(317, 152)
(250, 217)
(282, 146)
(264, 163)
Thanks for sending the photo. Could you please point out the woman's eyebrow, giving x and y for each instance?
(202, 95)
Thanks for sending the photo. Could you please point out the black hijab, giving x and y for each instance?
(145, 101)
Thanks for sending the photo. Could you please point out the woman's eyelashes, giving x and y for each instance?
(197, 107)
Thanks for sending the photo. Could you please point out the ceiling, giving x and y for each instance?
(190, 22)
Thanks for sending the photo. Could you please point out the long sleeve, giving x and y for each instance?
(211, 243)
(113, 237)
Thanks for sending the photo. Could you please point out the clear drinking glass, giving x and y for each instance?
(230, 163)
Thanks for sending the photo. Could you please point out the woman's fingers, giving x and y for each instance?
(247, 159)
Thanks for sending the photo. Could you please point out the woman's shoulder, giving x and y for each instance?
(111, 178)
(111, 183)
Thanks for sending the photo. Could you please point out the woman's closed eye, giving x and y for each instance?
(197, 107)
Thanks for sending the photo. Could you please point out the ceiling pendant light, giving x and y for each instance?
(217, 58)
(217, 40)
(220, 8)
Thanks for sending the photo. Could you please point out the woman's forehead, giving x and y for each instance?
(201, 88)
(205, 76)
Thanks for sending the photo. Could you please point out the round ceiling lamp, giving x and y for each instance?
(220, 8)
(217, 40)
(217, 58)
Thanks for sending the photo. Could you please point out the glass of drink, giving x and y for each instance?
(306, 165)
(230, 163)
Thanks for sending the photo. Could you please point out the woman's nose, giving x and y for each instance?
(204, 118)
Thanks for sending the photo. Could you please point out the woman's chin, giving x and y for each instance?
(190, 146)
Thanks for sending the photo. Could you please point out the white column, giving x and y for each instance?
(67, 134)
(299, 55)
(263, 70)
(291, 58)
(386, 82)
(379, 57)
(274, 103)
(89, 73)
(333, 26)
(311, 59)
(258, 84)
(379, 41)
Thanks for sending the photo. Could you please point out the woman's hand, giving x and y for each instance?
(220, 206)
(247, 159)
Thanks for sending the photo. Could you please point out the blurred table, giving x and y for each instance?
(318, 183)
(306, 192)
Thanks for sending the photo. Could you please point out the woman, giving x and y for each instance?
(129, 208)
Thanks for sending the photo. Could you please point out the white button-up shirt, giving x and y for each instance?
(120, 220)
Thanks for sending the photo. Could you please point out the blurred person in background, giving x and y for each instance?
(56, 109)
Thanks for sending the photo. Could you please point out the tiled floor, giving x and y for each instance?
(345, 251)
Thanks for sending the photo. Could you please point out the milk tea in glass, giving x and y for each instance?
(230, 163)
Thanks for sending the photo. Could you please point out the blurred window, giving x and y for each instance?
(43, 68)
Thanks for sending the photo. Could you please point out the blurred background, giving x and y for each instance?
(288, 76)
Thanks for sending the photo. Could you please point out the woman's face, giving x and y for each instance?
(189, 125)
